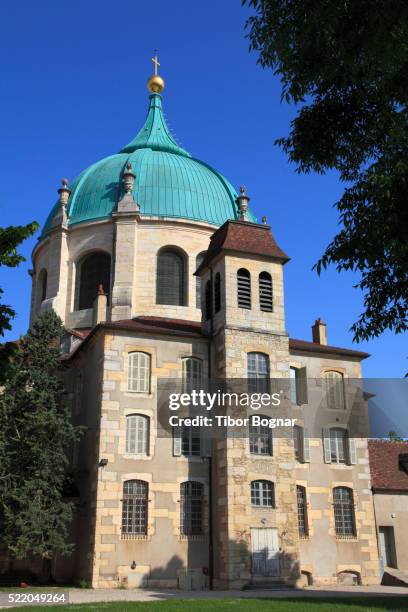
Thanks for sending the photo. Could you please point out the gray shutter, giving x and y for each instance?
(177, 441)
(306, 446)
(326, 445)
(205, 443)
(352, 453)
(301, 386)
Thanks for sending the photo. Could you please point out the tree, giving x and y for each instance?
(345, 65)
(35, 435)
(10, 238)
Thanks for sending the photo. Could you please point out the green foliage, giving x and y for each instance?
(345, 66)
(10, 238)
(35, 434)
(394, 437)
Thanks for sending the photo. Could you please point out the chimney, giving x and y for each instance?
(319, 333)
(100, 306)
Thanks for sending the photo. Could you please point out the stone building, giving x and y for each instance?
(160, 271)
(389, 479)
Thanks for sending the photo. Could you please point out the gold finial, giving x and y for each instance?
(155, 84)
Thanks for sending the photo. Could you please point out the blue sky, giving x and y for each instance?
(74, 90)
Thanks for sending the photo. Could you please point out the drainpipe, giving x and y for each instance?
(210, 492)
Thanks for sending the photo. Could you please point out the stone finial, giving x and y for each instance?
(128, 179)
(264, 220)
(64, 192)
(319, 332)
(242, 202)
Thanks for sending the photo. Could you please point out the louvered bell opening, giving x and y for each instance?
(217, 292)
(265, 292)
(170, 288)
(208, 300)
(244, 289)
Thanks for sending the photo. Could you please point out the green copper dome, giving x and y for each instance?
(169, 181)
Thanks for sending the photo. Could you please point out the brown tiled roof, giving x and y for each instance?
(243, 237)
(300, 346)
(386, 473)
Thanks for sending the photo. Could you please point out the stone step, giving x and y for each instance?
(275, 585)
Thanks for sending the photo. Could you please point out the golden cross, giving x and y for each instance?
(155, 62)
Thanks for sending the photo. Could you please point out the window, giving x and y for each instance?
(298, 442)
(191, 508)
(92, 271)
(42, 283)
(258, 372)
(217, 292)
(208, 300)
(171, 278)
(244, 288)
(139, 372)
(263, 493)
(199, 261)
(302, 512)
(137, 434)
(334, 390)
(338, 445)
(344, 512)
(192, 374)
(293, 389)
(134, 507)
(190, 441)
(265, 292)
(260, 439)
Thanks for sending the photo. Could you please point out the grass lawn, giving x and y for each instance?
(349, 604)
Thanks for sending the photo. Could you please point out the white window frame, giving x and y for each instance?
(139, 372)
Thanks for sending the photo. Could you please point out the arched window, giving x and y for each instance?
(192, 373)
(344, 517)
(263, 493)
(244, 288)
(334, 390)
(137, 434)
(217, 292)
(258, 372)
(265, 292)
(134, 507)
(191, 508)
(338, 445)
(302, 511)
(171, 278)
(93, 270)
(199, 261)
(139, 372)
(42, 284)
(208, 300)
(260, 439)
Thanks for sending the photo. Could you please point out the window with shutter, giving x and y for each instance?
(191, 508)
(265, 292)
(171, 278)
(344, 516)
(298, 443)
(134, 508)
(137, 434)
(92, 271)
(199, 261)
(244, 288)
(139, 372)
(217, 292)
(338, 445)
(334, 390)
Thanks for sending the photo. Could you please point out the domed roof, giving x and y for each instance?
(169, 181)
